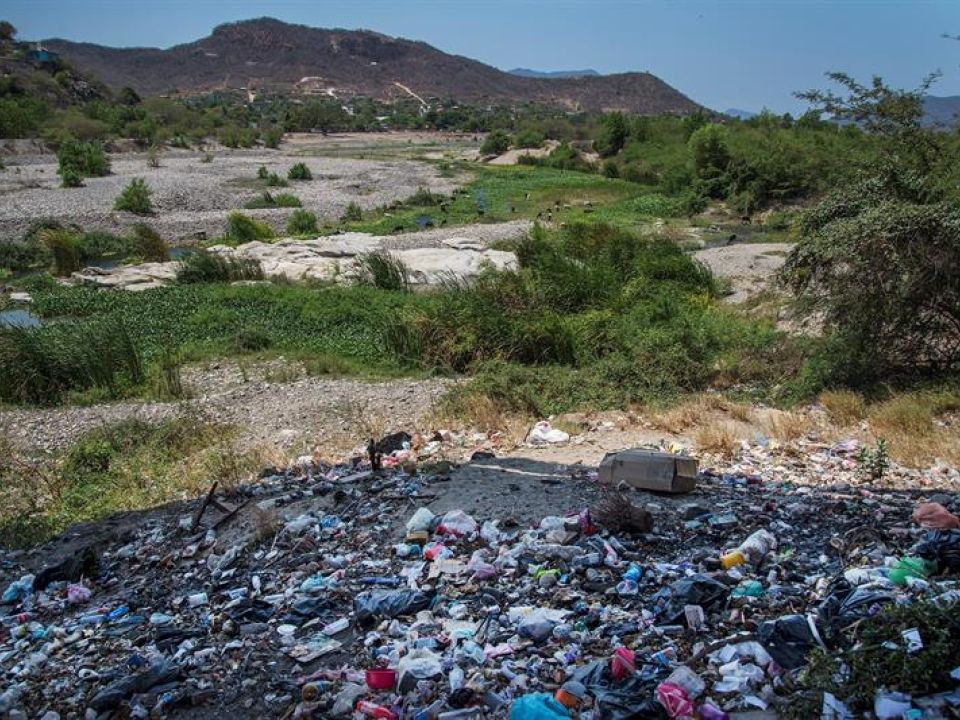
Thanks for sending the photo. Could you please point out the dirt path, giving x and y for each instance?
(750, 267)
(293, 416)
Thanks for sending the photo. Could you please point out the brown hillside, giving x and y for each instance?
(269, 54)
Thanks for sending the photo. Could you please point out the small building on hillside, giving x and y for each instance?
(41, 57)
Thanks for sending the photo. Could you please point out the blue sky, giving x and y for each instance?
(723, 53)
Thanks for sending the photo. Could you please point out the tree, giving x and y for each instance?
(128, 96)
(7, 31)
(613, 137)
(496, 143)
(135, 198)
(880, 259)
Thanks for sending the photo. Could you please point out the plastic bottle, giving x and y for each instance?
(457, 678)
(751, 550)
(336, 626)
(375, 711)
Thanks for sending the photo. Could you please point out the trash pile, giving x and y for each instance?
(341, 591)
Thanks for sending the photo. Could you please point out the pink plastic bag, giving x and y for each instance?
(934, 516)
(675, 699)
(77, 594)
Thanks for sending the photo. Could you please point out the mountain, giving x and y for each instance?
(526, 72)
(942, 111)
(742, 114)
(268, 54)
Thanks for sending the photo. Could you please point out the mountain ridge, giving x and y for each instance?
(267, 54)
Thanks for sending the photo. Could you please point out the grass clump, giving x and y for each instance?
(207, 267)
(77, 159)
(717, 438)
(268, 200)
(844, 407)
(302, 222)
(243, 229)
(135, 198)
(64, 248)
(353, 213)
(149, 245)
(384, 271)
(40, 366)
(128, 465)
(299, 171)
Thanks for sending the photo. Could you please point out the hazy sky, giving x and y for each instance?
(724, 54)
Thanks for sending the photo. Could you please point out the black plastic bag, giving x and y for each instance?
(632, 699)
(788, 639)
(847, 605)
(389, 603)
(941, 546)
(699, 590)
(116, 692)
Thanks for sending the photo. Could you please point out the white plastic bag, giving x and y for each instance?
(458, 522)
(420, 520)
(544, 432)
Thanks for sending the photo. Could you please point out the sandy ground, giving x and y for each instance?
(191, 196)
(750, 267)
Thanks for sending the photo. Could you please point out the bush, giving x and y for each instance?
(243, 229)
(153, 157)
(79, 158)
(70, 178)
(299, 172)
(274, 180)
(424, 198)
(613, 136)
(353, 213)
(302, 222)
(496, 143)
(206, 267)
(149, 245)
(529, 138)
(611, 169)
(135, 198)
(23, 255)
(272, 137)
(262, 172)
(251, 340)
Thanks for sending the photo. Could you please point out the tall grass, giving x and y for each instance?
(384, 271)
(64, 247)
(41, 365)
(207, 267)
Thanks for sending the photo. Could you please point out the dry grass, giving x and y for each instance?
(787, 426)
(908, 423)
(265, 522)
(717, 438)
(481, 413)
(363, 421)
(844, 407)
(699, 409)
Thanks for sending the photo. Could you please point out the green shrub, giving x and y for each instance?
(424, 198)
(243, 229)
(251, 339)
(353, 213)
(205, 267)
(135, 198)
(302, 222)
(149, 245)
(80, 158)
(272, 137)
(529, 138)
(274, 180)
(299, 171)
(70, 178)
(23, 255)
(610, 169)
(496, 143)
(384, 271)
(263, 173)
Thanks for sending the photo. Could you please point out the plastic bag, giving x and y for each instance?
(389, 603)
(943, 546)
(669, 602)
(420, 520)
(457, 522)
(934, 516)
(632, 699)
(789, 639)
(77, 594)
(479, 565)
(418, 664)
(675, 699)
(845, 607)
(116, 692)
(544, 432)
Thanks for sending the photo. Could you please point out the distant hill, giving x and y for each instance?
(942, 111)
(267, 54)
(526, 72)
(742, 114)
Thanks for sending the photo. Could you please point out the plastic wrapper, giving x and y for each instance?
(789, 639)
(942, 546)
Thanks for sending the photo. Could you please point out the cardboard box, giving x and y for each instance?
(650, 470)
